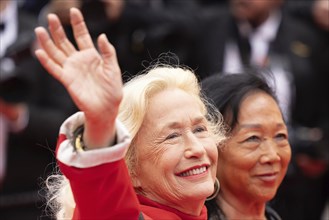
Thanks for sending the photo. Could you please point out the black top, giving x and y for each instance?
(215, 213)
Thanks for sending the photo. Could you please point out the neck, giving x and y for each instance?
(193, 208)
(234, 207)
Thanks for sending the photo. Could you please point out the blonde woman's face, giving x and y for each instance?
(255, 158)
(176, 151)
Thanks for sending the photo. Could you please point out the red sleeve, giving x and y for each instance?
(102, 192)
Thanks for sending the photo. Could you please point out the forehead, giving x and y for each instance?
(259, 105)
(172, 105)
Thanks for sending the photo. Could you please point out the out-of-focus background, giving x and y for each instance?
(287, 37)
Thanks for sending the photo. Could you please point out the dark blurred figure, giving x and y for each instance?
(314, 12)
(33, 7)
(264, 35)
(151, 27)
(32, 107)
(140, 30)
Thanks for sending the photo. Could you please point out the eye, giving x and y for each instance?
(253, 138)
(199, 129)
(281, 137)
(172, 136)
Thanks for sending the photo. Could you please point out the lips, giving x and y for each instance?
(194, 171)
(268, 177)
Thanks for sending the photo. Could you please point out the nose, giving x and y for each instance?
(269, 152)
(193, 147)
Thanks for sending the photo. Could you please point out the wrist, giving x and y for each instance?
(79, 143)
(98, 135)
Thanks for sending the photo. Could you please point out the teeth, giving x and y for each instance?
(194, 171)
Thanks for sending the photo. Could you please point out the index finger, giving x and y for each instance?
(59, 36)
(80, 30)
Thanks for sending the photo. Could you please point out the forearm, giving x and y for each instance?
(99, 178)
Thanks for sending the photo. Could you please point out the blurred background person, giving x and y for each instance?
(32, 107)
(314, 12)
(141, 30)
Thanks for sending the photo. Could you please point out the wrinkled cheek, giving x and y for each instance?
(214, 168)
(214, 172)
(212, 151)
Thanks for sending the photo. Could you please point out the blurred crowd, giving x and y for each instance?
(289, 38)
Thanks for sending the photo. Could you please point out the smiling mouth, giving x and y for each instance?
(195, 171)
(268, 177)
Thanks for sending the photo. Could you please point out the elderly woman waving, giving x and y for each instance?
(145, 150)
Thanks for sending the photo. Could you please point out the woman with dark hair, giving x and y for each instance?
(254, 159)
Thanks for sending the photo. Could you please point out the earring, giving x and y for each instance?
(217, 188)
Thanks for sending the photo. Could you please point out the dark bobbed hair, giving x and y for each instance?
(227, 91)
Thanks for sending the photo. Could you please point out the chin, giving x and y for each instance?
(201, 193)
(207, 191)
(267, 196)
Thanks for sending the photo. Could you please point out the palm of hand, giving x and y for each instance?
(92, 78)
(92, 83)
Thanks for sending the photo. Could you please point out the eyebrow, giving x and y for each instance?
(245, 126)
(176, 124)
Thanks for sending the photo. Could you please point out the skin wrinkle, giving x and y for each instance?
(157, 138)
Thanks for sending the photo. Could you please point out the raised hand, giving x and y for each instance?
(93, 79)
